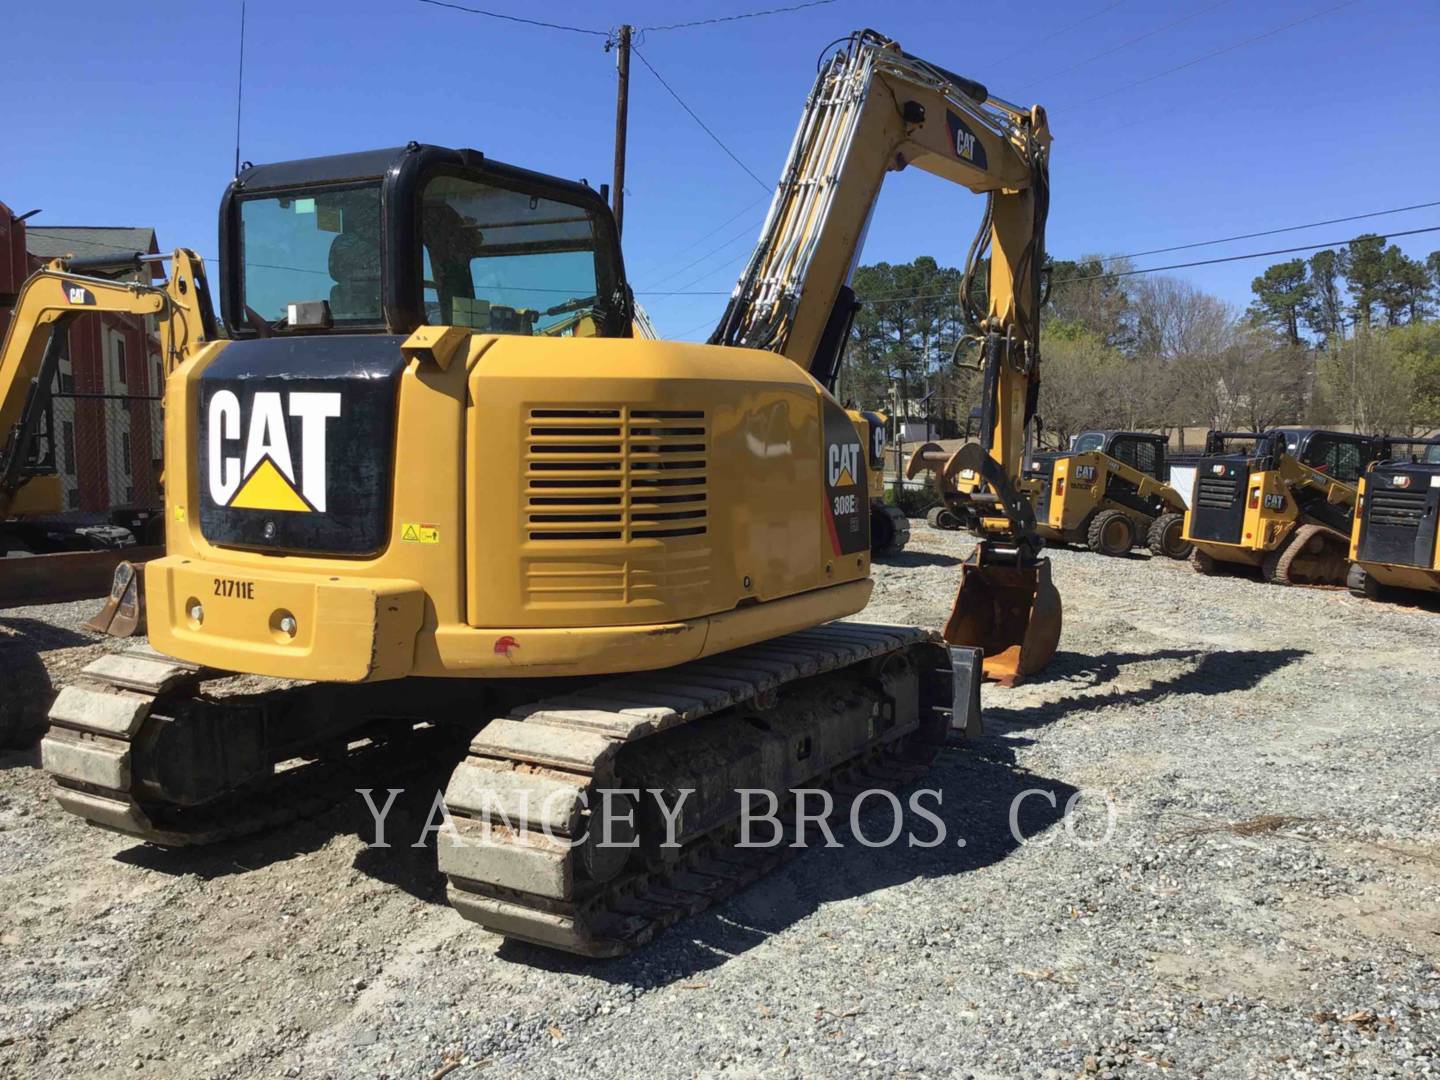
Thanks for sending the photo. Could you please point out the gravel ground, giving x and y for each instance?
(1248, 885)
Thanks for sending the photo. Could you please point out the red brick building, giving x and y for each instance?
(106, 410)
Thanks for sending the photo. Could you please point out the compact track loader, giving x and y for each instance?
(1109, 493)
(412, 478)
(1285, 508)
(1394, 543)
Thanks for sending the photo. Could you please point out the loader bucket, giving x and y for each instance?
(1012, 612)
(124, 611)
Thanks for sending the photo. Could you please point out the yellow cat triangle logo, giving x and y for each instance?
(267, 489)
(845, 478)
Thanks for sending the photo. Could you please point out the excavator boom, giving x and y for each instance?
(876, 109)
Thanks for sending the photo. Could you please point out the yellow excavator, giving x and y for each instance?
(613, 565)
(47, 304)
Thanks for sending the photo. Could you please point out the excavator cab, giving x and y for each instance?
(385, 241)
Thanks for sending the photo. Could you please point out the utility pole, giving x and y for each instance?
(622, 113)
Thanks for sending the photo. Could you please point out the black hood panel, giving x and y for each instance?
(297, 441)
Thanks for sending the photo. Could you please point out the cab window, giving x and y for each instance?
(1091, 440)
(1334, 457)
(323, 244)
(506, 261)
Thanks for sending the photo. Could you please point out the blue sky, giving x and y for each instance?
(125, 115)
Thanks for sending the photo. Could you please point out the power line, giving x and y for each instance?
(748, 231)
(516, 18)
(1129, 273)
(717, 268)
(701, 239)
(1244, 236)
(737, 18)
(704, 126)
(1051, 76)
(698, 326)
(1029, 46)
(1268, 232)
(1217, 52)
(1251, 255)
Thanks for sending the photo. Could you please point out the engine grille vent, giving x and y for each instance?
(1397, 509)
(615, 474)
(1217, 492)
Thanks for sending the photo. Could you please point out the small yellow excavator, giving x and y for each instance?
(1110, 492)
(396, 483)
(46, 305)
(30, 488)
(1285, 508)
(889, 526)
(1395, 544)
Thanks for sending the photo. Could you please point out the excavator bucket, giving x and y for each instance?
(1011, 612)
(124, 611)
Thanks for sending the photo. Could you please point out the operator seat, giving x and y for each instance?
(355, 266)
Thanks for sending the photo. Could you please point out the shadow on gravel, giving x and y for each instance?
(918, 558)
(25, 687)
(20, 759)
(1216, 673)
(400, 864)
(1091, 670)
(41, 636)
(979, 783)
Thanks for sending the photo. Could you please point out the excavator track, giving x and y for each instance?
(110, 729)
(1313, 555)
(845, 707)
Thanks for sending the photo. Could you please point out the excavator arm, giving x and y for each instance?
(876, 109)
(49, 301)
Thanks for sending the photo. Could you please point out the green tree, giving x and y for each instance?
(1405, 293)
(1281, 294)
(1324, 308)
(1362, 264)
(908, 323)
(1365, 382)
(1084, 297)
(1076, 385)
(1417, 346)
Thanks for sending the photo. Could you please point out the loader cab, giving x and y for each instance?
(1236, 462)
(1339, 454)
(1141, 450)
(385, 241)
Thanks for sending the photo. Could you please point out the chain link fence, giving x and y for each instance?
(106, 449)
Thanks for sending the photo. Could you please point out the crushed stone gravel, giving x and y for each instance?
(1247, 885)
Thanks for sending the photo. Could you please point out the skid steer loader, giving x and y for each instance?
(1110, 492)
(614, 566)
(1394, 546)
(1285, 507)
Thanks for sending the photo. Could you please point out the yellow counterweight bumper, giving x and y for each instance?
(300, 625)
(284, 624)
